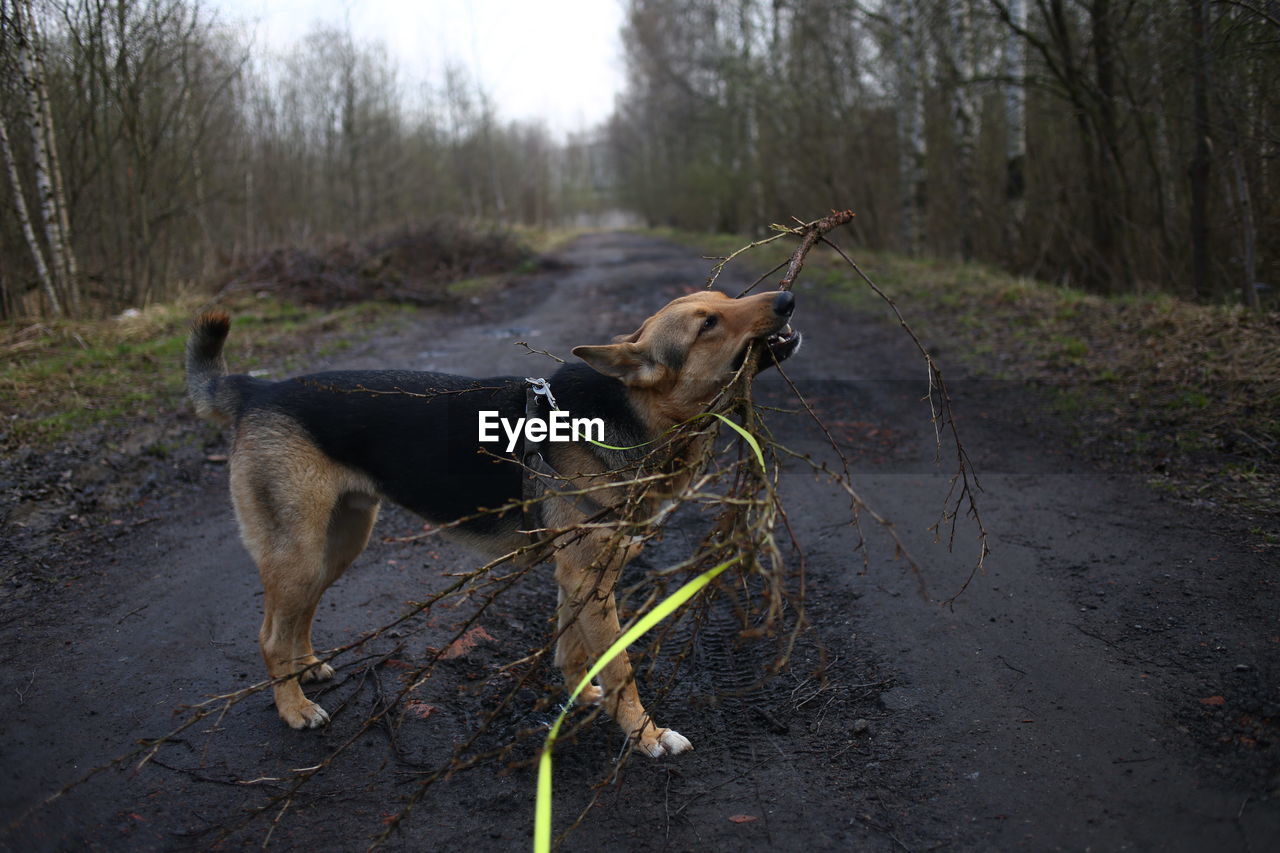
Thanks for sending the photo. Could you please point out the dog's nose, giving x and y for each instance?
(784, 303)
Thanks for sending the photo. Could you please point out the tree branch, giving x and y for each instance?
(810, 233)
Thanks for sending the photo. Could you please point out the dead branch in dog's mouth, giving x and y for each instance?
(731, 500)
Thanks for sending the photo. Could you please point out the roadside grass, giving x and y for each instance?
(60, 377)
(1188, 393)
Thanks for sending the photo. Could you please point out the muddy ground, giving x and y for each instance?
(1111, 683)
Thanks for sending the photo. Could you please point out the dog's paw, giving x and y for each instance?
(319, 672)
(306, 716)
(660, 742)
(590, 695)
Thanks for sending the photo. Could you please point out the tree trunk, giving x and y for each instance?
(250, 243)
(1161, 153)
(911, 141)
(757, 219)
(24, 220)
(1015, 112)
(351, 134)
(1248, 240)
(71, 272)
(1201, 159)
(32, 83)
(964, 119)
(1111, 204)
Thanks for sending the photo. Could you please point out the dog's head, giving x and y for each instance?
(688, 350)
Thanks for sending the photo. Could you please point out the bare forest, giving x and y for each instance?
(148, 145)
(1115, 146)
(1119, 147)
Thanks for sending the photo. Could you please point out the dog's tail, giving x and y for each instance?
(206, 368)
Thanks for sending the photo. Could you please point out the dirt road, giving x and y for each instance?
(1111, 683)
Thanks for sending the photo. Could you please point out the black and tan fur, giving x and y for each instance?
(314, 456)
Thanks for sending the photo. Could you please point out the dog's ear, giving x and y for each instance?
(625, 361)
(631, 338)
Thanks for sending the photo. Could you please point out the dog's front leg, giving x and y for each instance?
(572, 655)
(588, 606)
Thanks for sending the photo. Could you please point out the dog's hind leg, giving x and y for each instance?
(302, 531)
(350, 523)
(318, 548)
(292, 583)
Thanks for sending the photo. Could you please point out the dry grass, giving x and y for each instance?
(59, 377)
(414, 263)
(1188, 393)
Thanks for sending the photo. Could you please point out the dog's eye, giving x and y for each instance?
(709, 323)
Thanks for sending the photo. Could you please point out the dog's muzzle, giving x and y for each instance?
(781, 345)
(784, 343)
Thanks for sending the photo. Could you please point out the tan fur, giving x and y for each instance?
(587, 570)
(668, 396)
(304, 518)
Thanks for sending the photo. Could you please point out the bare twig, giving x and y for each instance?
(533, 351)
(964, 482)
(810, 233)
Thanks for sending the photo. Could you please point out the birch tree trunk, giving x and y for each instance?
(32, 84)
(911, 142)
(24, 220)
(71, 273)
(1015, 112)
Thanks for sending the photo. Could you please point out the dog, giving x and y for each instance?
(313, 458)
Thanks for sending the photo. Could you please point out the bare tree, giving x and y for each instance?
(70, 268)
(173, 152)
(909, 54)
(38, 120)
(956, 51)
(1015, 113)
(24, 220)
(1199, 169)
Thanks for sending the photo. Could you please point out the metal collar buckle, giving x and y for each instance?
(542, 387)
(535, 466)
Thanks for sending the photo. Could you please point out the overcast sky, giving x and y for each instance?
(557, 60)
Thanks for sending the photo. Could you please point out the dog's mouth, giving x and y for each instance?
(778, 347)
(782, 344)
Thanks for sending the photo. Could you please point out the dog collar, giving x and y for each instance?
(539, 477)
(542, 388)
(538, 387)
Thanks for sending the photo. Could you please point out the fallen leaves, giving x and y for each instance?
(421, 710)
(466, 643)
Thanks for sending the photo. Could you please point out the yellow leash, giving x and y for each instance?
(542, 814)
(669, 605)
